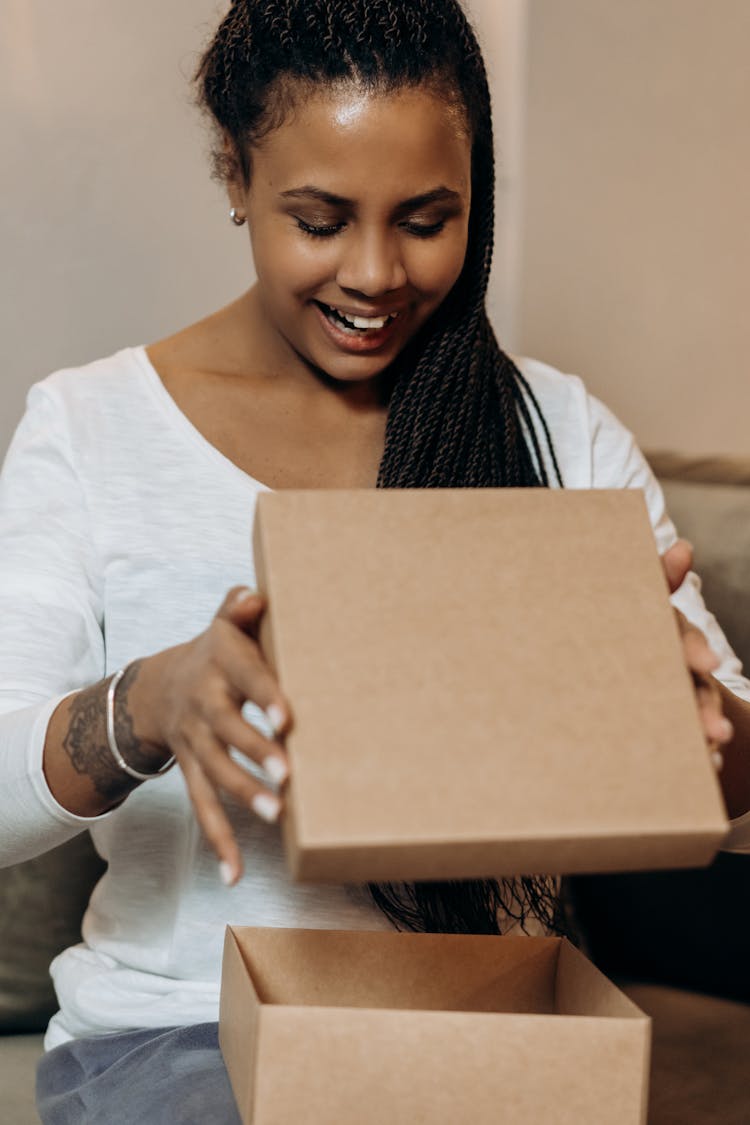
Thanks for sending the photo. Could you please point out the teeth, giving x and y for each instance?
(364, 323)
(367, 322)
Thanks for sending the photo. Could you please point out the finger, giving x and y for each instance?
(242, 606)
(699, 656)
(231, 778)
(232, 730)
(213, 820)
(252, 679)
(676, 562)
(716, 726)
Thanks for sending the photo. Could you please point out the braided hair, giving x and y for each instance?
(461, 414)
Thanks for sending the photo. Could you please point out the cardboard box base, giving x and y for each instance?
(332, 1027)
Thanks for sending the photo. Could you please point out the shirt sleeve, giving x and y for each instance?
(617, 462)
(51, 639)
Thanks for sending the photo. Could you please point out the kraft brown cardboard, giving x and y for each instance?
(325, 1027)
(484, 682)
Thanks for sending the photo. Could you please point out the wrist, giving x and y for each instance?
(136, 713)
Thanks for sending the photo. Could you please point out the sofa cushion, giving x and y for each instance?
(19, 1055)
(700, 1057)
(716, 520)
(685, 928)
(41, 907)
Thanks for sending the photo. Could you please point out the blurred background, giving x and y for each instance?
(623, 221)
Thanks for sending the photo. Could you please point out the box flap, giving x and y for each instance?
(582, 990)
(239, 1016)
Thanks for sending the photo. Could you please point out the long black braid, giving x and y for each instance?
(461, 414)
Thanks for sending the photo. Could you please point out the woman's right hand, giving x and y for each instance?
(198, 691)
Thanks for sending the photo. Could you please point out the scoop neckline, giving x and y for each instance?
(181, 422)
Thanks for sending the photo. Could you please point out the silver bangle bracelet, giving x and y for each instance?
(111, 739)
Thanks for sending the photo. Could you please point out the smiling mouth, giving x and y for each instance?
(356, 325)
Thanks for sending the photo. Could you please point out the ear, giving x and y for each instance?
(230, 166)
(237, 196)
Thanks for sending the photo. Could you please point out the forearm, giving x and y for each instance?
(80, 770)
(735, 775)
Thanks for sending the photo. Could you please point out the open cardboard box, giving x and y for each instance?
(354, 1028)
(484, 682)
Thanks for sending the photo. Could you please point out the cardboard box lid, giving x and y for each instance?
(328, 1026)
(484, 682)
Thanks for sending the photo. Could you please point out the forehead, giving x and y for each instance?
(359, 144)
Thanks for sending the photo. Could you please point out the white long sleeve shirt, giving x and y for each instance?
(121, 529)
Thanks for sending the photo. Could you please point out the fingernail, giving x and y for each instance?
(242, 596)
(718, 760)
(266, 807)
(226, 873)
(277, 770)
(727, 730)
(276, 717)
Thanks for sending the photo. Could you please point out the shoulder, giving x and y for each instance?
(593, 447)
(77, 416)
(87, 406)
(552, 387)
(570, 410)
(109, 378)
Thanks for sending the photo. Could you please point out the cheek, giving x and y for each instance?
(286, 265)
(435, 267)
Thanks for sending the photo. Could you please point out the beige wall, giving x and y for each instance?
(636, 232)
(111, 231)
(502, 28)
(620, 205)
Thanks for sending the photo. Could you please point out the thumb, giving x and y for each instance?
(243, 607)
(677, 561)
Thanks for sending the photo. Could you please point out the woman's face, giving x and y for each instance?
(358, 210)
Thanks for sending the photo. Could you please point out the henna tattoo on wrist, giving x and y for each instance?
(86, 743)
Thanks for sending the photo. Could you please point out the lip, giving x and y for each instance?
(357, 345)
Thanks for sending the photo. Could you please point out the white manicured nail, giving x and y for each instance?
(277, 770)
(226, 873)
(718, 760)
(266, 807)
(727, 730)
(275, 716)
(242, 596)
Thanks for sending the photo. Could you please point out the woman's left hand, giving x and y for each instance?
(700, 658)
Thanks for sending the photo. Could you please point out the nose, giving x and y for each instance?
(371, 264)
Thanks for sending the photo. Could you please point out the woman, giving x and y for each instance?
(355, 142)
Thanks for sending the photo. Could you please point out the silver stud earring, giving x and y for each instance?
(237, 219)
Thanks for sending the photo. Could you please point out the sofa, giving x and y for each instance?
(676, 941)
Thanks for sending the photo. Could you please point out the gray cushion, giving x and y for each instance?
(19, 1055)
(716, 520)
(41, 907)
(701, 1057)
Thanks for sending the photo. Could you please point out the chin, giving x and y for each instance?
(347, 373)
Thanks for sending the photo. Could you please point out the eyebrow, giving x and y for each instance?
(437, 195)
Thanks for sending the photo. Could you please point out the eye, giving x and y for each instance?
(318, 231)
(424, 230)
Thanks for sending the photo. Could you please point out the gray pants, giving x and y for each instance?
(172, 1076)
